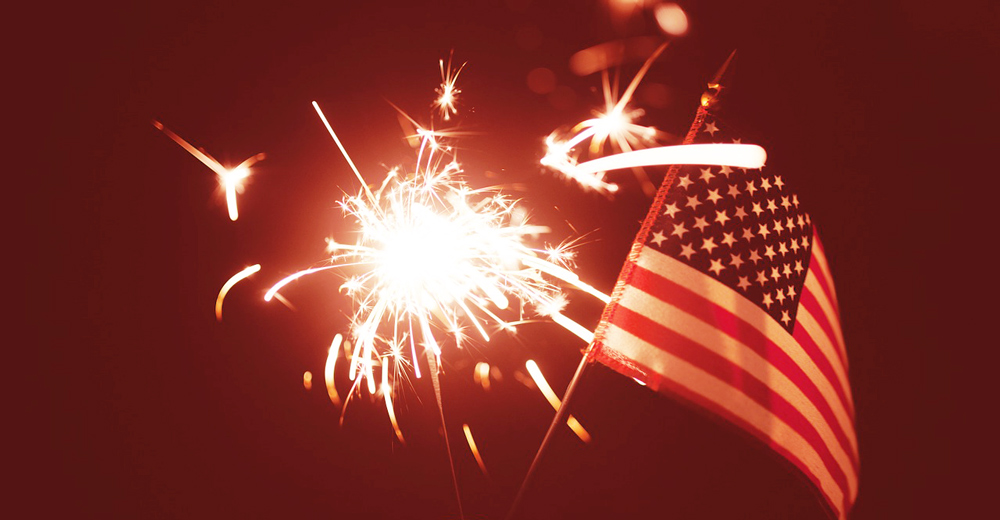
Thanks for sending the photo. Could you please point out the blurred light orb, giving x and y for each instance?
(671, 18)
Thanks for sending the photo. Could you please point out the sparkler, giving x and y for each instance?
(434, 254)
(232, 180)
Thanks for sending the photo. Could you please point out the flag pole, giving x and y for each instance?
(707, 99)
(561, 413)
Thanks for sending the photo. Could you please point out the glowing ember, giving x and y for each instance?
(331, 365)
(482, 375)
(475, 450)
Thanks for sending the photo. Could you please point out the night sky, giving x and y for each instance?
(145, 406)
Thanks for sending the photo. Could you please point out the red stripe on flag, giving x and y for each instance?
(735, 375)
(808, 301)
(824, 277)
(738, 328)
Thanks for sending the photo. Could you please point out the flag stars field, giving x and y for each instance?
(749, 338)
(722, 229)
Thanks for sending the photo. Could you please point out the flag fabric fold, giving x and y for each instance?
(726, 301)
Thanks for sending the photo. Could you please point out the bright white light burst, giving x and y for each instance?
(448, 92)
(615, 125)
(436, 256)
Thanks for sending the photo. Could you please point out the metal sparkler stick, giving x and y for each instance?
(432, 362)
(556, 421)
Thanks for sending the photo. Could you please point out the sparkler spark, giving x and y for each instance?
(236, 278)
(328, 371)
(386, 388)
(553, 399)
(447, 92)
(232, 180)
(635, 144)
(475, 450)
(615, 125)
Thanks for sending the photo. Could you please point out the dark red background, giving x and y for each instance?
(148, 407)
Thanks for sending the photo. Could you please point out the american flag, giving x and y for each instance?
(726, 301)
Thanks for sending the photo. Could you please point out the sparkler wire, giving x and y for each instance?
(561, 414)
(432, 362)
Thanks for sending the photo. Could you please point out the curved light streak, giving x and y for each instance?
(736, 155)
(233, 280)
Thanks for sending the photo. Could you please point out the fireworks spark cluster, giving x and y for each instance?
(614, 126)
(633, 146)
(436, 260)
(447, 101)
(434, 264)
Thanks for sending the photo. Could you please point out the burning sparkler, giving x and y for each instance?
(433, 255)
(435, 259)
